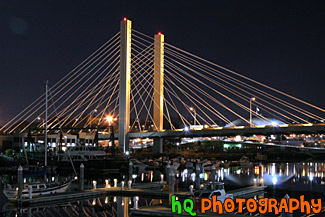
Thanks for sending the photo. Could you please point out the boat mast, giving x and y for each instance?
(46, 107)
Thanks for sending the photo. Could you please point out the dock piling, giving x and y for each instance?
(191, 189)
(115, 183)
(167, 171)
(135, 202)
(130, 184)
(213, 173)
(171, 181)
(122, 185)
(20, 183)
(94, 184)
(130, 170)
(197, 177)
(107, 185)
(30, 192)
(284, 214)
(82, 177)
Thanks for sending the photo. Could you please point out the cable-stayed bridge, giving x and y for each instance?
(148, 88)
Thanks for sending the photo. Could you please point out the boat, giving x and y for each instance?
(139, 167)
(36, 189)
(220, 194)
(82, 153)
(93, 159)
(42, 188)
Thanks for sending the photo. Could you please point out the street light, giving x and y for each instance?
(250, 110)
(111, 128)
(109, 119)
(192, 109)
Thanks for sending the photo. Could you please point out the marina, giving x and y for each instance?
(108, 115)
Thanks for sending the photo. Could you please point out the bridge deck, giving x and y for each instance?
(234, 131)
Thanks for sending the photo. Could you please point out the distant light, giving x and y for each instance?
(124, 19)
(186, 128)
(274, 123)
(311, 177)
(127, 153)
(159, 33)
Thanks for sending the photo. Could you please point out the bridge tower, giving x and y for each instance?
(158, 94)
(125, 84)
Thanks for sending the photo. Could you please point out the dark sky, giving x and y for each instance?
(280, 43)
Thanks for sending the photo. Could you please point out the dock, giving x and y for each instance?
(146, 190)
(139, 190)
(157, 210)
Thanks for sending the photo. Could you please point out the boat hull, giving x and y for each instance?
(12, 194)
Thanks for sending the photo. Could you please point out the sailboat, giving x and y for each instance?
(41, 188)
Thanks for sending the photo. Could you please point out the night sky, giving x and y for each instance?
(280, 43)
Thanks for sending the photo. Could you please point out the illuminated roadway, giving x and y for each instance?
(234, 131)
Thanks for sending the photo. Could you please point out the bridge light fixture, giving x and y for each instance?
(274, 123)
(186, 129)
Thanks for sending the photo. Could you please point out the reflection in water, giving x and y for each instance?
(106, 206)
(290, 177)
(295, 176)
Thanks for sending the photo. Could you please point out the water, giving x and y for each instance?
(295, 179)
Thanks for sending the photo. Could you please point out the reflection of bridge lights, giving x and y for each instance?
(274, 180)
(193, 177)
(311, 177)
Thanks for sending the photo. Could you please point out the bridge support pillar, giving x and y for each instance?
(158, 93)
(125, 79)
(158, 144)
